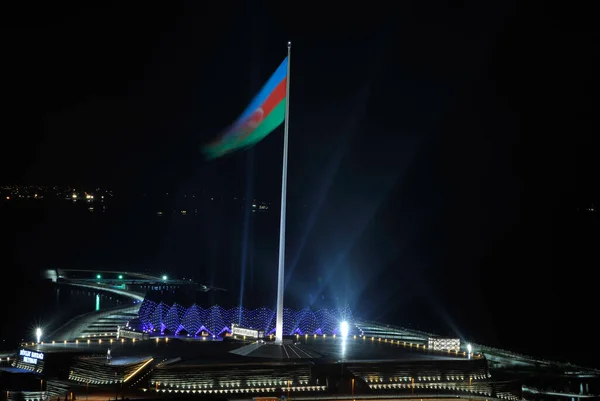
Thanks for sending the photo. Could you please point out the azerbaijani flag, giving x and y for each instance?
(265, 113)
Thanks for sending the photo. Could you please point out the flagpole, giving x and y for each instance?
(281, 269)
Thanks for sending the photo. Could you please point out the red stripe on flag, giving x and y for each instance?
(258, 115)
(274, 98)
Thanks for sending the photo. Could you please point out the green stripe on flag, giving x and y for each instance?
(273, 120)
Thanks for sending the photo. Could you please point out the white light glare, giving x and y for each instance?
(344, 329)
(38, 334)
(469, 348)
(164, 277)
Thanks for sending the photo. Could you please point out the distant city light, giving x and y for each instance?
(120, 277)
(98, 276)
(38, 335)
(344, 329)
(164, 278)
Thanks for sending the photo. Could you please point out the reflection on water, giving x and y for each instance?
(49, 305)
(75, 301)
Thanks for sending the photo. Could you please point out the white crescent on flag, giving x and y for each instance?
(255, 118)
(251, 123)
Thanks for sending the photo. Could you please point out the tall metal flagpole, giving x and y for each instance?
(281, 270)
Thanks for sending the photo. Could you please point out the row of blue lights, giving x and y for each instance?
(217, 320)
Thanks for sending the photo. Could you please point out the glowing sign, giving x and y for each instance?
(241, 331)
(31, 356)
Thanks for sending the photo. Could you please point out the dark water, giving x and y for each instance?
(206, 244)
(47, 305)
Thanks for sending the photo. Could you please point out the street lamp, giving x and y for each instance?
(38, 334)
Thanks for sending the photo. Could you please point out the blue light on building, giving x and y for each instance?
(217, 320)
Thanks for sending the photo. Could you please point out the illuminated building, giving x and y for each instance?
(217, 320)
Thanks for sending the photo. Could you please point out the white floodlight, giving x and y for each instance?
(38, 334)
(344, 329)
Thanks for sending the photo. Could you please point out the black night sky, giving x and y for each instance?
(441, 152)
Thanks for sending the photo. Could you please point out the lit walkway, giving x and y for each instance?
(87, 324)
